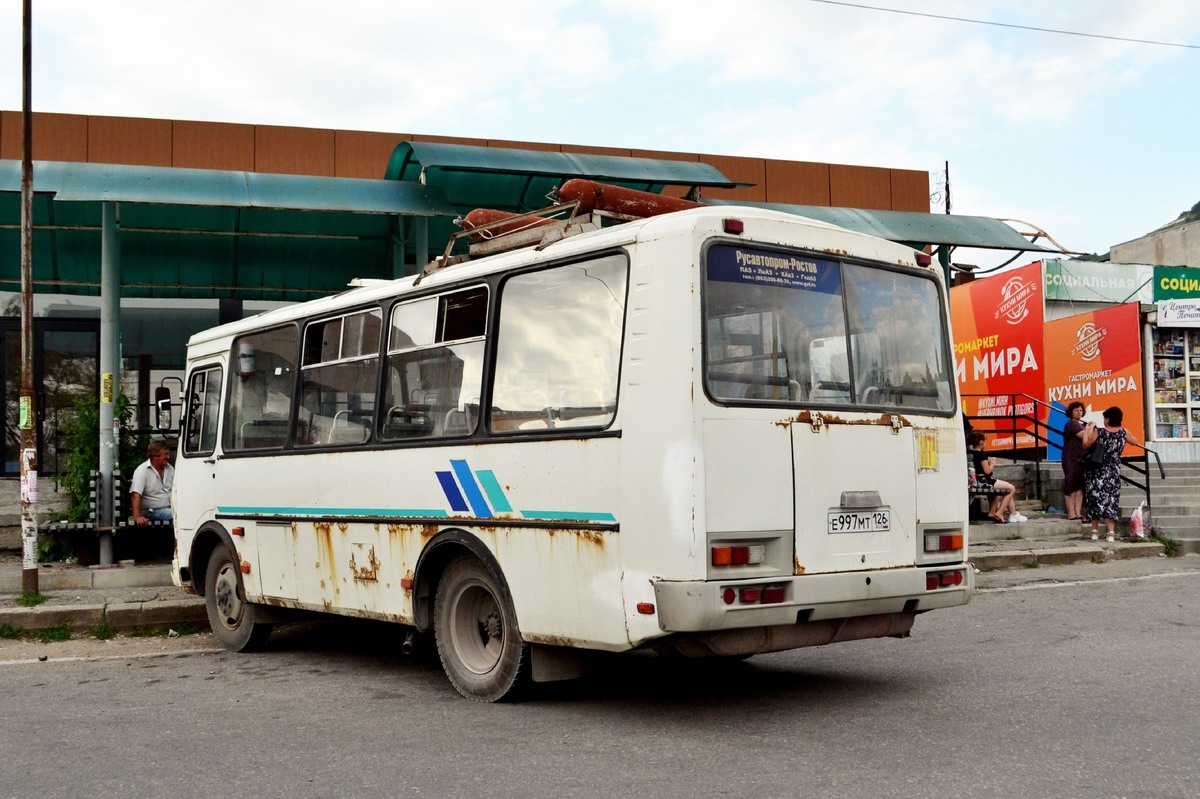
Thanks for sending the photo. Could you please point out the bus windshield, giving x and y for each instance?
(797, 329)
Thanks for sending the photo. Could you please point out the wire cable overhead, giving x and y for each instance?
(1008, 25)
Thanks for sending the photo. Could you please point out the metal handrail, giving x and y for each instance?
(1136, 463)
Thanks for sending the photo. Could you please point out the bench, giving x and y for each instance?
(979, 498)
(153, 540)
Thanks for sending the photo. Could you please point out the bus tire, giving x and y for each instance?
(475, 627)
(231, 617)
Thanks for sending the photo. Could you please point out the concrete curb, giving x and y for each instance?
(121, 615)
(81, 578)
(1061, 556)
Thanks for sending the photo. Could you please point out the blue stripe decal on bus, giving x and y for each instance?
(567, 516)
(450, 489)
(262, 510)
(466, 480)
(487, 479)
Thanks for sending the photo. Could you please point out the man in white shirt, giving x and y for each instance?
(150, 490)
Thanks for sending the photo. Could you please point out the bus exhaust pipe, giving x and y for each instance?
(410, 642)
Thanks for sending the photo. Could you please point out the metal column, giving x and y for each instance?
(110, 375)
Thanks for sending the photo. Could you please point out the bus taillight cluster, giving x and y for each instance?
(936, 580)
(738, 555)
(755, 594)
(943, 543)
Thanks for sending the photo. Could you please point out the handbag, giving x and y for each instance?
(1093, 458)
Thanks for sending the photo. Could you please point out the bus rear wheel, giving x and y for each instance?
(477, 636)
(231, 617)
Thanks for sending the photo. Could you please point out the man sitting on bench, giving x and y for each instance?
(150, 489)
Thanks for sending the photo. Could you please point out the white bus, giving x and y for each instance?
(712, 433)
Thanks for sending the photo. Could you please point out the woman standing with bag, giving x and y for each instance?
(1102, 484)
(1072, 455)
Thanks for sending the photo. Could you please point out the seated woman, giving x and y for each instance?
(1000, 504)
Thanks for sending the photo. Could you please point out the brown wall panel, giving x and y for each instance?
(213, 145)
(797, 182)
(295, 151)
(739, 170)
(56, 137)
(860, 187)
(126, 140)
(449, 140)
(525, 145)
(910, 190)
(590, 150)
(358, 154)
(362, 154)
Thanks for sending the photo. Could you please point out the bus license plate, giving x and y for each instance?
(860, 521)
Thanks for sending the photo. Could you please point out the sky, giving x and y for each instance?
(1090, 137)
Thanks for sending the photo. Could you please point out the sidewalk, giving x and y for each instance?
(1049, 540)
(141, 595)
(80, 598)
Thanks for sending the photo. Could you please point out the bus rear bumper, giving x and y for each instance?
(702, 606)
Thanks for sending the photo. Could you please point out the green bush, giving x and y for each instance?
(83, 451)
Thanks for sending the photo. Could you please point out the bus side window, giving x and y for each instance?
(558, 347)
(260, 390)
(341, 365)
(435, 366)
(203, 402)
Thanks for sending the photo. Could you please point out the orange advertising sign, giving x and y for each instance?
(1096, 358)
(997, 323)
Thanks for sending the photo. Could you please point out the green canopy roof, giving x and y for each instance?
(197, 233)
(507, 179)
(519, 180)
(912, 228)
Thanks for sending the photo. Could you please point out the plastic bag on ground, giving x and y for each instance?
(1137, 526)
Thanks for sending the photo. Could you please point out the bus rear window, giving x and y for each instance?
(798, 329)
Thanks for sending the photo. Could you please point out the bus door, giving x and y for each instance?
(855, 493)
(197, 452)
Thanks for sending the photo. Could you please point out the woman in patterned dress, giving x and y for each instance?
(1102, 486)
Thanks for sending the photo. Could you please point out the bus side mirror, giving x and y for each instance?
(162, 405)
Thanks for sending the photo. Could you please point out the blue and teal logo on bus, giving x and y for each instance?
(480, 494)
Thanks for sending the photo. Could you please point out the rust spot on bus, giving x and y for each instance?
(368, 571)
(799, 567)
(324, 536)
(807, 417)
(551, 640)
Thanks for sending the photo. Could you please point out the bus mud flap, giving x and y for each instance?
(555, 663)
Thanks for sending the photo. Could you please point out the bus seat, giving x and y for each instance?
(347, 429)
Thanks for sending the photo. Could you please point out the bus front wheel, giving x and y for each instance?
(231, 617)
(477, 636)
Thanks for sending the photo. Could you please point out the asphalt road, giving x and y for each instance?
(1072, 682)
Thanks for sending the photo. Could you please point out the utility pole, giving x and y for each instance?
(28, 408)
(947, 187)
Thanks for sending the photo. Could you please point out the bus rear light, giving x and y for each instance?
(772, 595)
(645, 608)
(734, 226)
(755, 595)
(739, 555)
(936, 580)
(943, 543)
